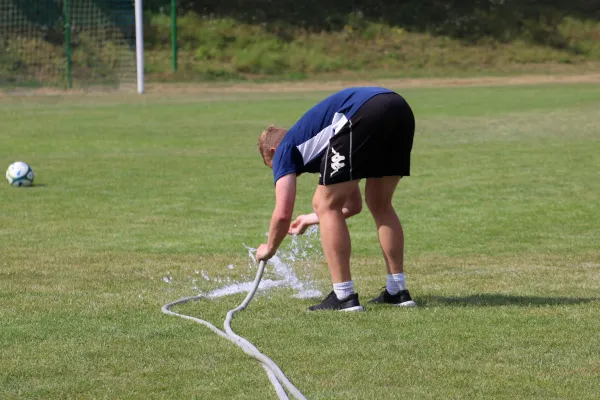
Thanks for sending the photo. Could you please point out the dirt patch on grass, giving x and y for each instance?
(312, 86)
(161, 89)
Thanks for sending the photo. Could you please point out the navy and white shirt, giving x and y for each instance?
(303, 145)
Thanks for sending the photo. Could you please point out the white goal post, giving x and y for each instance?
(139, 45)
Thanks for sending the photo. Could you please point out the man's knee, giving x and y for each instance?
(354, 203)
(324, 201)
(323, 204)
(354, 207)
(376, 202)
(379, 193)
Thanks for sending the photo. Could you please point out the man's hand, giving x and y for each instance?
(301, 224)
(263, 253)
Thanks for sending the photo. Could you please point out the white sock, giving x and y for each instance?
(343, 290)
(395, 283)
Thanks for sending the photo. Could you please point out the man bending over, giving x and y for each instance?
(357, 133)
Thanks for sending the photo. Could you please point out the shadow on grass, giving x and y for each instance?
(32, 187)
(491, 300)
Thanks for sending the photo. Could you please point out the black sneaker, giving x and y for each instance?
(331, 302)
(401, 299)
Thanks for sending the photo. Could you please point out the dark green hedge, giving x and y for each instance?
(466, 19)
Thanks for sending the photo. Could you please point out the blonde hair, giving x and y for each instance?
(268, 139)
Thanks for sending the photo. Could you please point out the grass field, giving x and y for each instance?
(502, 222)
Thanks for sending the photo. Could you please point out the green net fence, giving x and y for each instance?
(240, 40)
(35, 49)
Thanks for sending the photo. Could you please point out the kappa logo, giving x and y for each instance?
(336, 162)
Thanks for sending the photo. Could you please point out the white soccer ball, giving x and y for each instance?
(19, 174)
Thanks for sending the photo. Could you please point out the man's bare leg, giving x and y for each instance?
(378, 196)
(328, 203)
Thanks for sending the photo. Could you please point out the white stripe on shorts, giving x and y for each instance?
(350, 155)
